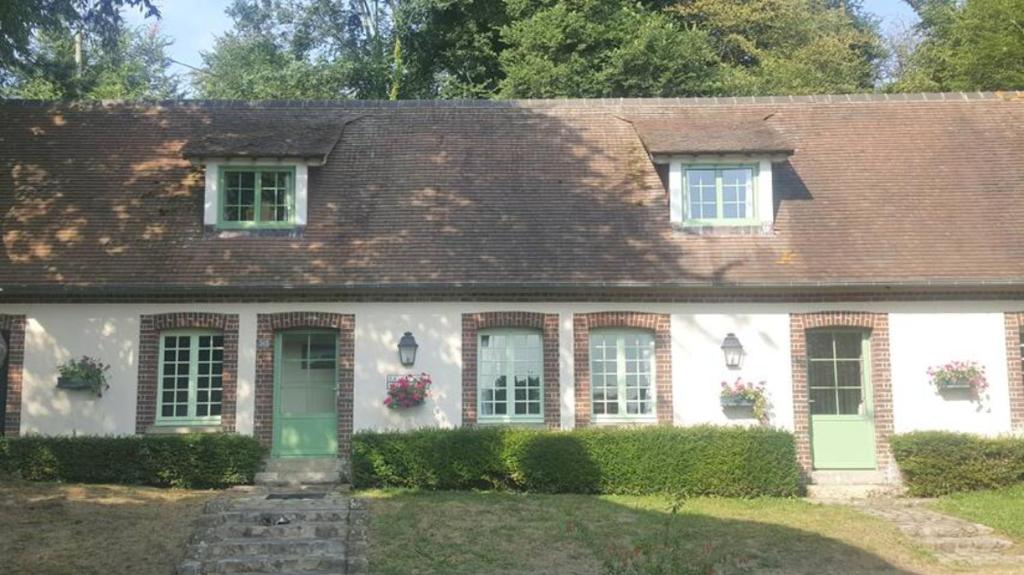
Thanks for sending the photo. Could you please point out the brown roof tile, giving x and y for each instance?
(880, 190)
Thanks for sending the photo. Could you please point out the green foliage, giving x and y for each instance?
(706, 460)
(134, 67)
(972, 45)
(936, 463)
(193, 460)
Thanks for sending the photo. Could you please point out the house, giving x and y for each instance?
(252, 267)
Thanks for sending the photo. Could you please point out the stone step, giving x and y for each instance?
(273, 517)
(942, 529)
(300, 530)
(280, 548)
(299, 464)
(852, 491)
(264, 564)
(296, 478)
(963, 544)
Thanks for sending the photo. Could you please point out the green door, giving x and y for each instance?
(305, 402)
(842, 414)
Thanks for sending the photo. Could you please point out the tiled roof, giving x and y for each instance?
(901, 190)
(270, 137)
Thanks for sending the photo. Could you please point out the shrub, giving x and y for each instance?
(192, 460)
(936, 462)
(706, 460)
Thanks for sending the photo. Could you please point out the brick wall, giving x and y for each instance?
(267, 325)
(546, 323)
(14, 328)
(1014, 321)
(150, 327)
(658, 323)
(877, 324)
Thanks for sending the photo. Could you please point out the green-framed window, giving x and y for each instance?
(720, 195)
(622, 374)
(510, 376)
(257, 197)
(191, 377)
(837, 373)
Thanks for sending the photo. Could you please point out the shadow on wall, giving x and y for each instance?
(48, 410)
(622, 535)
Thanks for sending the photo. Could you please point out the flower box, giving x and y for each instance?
(74, 383)
(733, 401)
(408, 391)
(957, 378)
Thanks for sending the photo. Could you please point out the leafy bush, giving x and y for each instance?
(193, 460)
(936, 462)
(706, 460)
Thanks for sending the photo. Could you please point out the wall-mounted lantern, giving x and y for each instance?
(407, 347)
(733, 351)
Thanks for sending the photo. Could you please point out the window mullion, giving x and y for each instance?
(620, 372)
(193, 375)
(258, 195)
(719, 196)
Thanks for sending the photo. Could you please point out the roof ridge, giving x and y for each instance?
(866, 97)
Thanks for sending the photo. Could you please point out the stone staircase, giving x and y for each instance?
(304, 531)
(296, 471)
(848, 485)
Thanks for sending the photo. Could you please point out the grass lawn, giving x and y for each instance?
(50, 529)
(1002, 509)
(488, 532)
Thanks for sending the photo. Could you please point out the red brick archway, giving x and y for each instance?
(267, 325)
(658, 323)
(546, 323)
(877, 324)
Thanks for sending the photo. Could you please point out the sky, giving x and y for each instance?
(193, 24)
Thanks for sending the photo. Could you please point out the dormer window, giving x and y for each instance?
(719, 195)
(257, 197)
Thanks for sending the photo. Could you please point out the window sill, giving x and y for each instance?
(177, 429)
(699, 229)
(490, 422)
(228, 233)
(615, 421)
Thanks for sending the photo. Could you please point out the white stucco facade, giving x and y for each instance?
(921, 335)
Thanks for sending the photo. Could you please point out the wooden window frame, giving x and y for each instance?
(191, 419)
(224, 223)
(510, 417)
(623, 416)
(751, 218)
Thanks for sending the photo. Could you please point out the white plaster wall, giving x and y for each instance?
(922, 334)
(922, 340)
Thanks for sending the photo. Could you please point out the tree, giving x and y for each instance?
(72, 66)
(973, 45)
(21, 19)
(598, 48)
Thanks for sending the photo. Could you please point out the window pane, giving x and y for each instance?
(275, 196)
(822, 374)
(848, 345)
(819, 345)
(239, 196)
(736, 192)
(702, 194)
(510, 359)
(209, 381)
(849, 373)
(174, 378)
(823, 402)
(621, 377)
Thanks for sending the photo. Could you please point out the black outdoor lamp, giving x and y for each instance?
(407, 347)
(733, 350)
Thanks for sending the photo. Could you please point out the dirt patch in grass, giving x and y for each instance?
(52, 529)
(462, 533)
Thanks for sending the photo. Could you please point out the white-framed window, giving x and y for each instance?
(730, 192)
(622, 375)
(720, 195)
(510, 376)
(191, 377)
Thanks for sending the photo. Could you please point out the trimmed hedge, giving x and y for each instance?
(705, 460)
(192, 460)
(937, 462)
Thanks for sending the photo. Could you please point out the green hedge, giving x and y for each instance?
(934, 463)
(193, 460)
(706, 460)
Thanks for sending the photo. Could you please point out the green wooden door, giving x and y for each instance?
(842, 414)
(305, 388)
